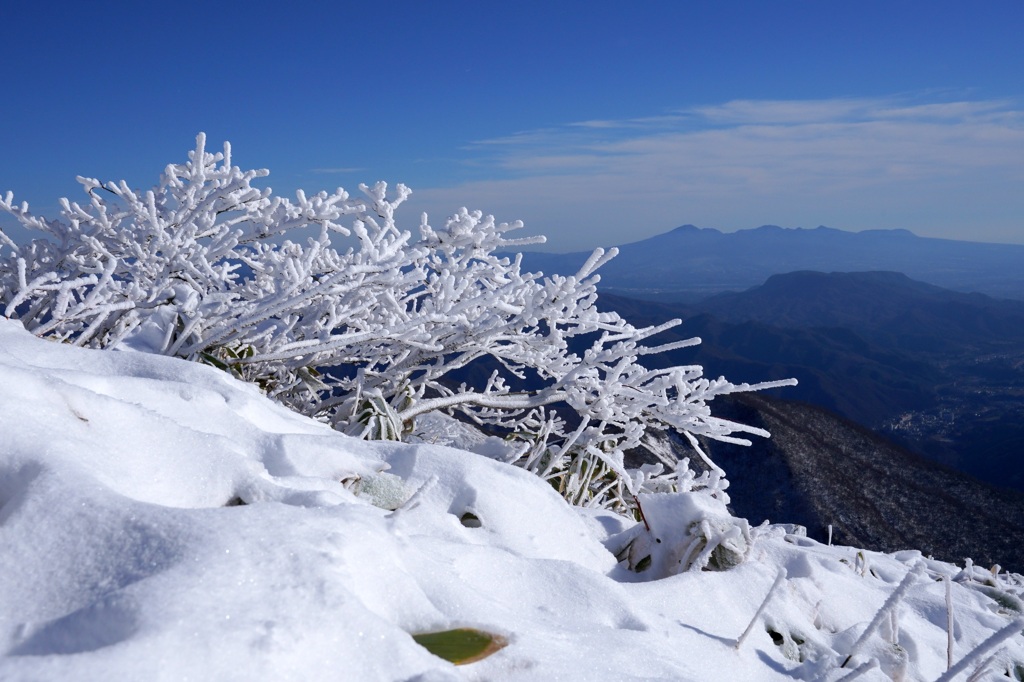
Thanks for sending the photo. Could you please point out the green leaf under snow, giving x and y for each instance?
(461, 646)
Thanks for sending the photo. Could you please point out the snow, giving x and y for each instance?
(160, 520)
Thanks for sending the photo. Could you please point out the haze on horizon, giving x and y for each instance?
(593, 125)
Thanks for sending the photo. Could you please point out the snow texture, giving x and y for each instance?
(160, 520)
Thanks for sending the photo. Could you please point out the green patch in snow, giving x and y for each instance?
(461, 646)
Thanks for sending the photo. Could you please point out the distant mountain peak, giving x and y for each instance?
(688, 228)
(696, 261)
(888, 277)
(771, 229)
(897, 232)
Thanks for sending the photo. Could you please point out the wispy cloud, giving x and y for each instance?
(335, 171)
(646, 122)
(933, 166)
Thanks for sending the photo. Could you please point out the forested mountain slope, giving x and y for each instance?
(939, 371)
(819, 470)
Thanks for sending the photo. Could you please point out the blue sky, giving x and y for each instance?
(597, 123)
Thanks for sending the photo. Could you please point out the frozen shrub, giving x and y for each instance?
(366, 337)
(682, 532)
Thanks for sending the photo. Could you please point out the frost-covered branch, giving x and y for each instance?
(207, 267)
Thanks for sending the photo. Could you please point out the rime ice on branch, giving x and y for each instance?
(201, 267)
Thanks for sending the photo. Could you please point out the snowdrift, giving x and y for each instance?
(160, 520)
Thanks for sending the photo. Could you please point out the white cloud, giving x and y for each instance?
(952, 169)
(335, 171)
(785, 112)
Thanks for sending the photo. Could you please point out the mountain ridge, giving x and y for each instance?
(690, 262)
(820, 470)
(905, 313)
(938, 371)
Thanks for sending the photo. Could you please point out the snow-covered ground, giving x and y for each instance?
(161, 521)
